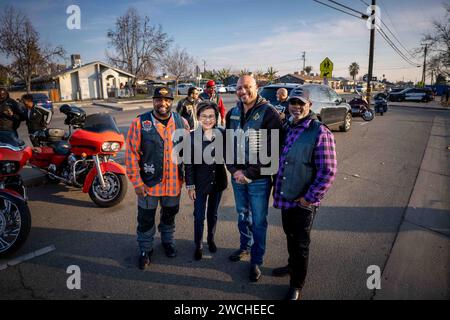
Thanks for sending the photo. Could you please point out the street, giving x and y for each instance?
(356, 227)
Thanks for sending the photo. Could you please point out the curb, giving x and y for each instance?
(117, 108)
(419, 107)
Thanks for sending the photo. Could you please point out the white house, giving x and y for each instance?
(95, 80)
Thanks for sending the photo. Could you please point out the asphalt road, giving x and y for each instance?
(378, 163)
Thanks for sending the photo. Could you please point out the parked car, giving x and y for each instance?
(412, 94)
(330, 108)
(231, 88)
(42, 100)
(183, 88)
(220, 88)
(269, 92)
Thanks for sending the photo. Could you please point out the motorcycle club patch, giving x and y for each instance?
(256, 117)
(146, 125)
(149, 168)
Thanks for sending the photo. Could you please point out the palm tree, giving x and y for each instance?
(244, 72)
(259, 74)
(354, 70)
(271, 74)
(223, 74)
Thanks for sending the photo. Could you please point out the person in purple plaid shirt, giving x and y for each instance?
(307, 169)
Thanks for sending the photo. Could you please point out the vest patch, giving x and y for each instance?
(256, 117)
(146, 125)
(235, 118)
(149, 168)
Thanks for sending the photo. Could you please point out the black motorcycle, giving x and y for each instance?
(360, 107)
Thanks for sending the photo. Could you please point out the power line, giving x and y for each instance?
(396, 49)
(350, 14)
(363, 15)
(390, 31)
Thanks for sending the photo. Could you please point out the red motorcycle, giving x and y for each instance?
(83, 158)
(15, 218)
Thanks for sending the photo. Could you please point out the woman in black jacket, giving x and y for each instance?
(206, 177)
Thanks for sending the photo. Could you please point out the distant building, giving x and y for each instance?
(94, 80)
(290, 78)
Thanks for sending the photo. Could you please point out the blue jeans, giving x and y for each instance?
(208, 203)
(252, 203)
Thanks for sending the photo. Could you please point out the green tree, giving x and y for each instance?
(308, 69)
(271, 74)
(223, 74)
(353, 69)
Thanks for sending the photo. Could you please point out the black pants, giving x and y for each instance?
(210, 204)
(297, 224)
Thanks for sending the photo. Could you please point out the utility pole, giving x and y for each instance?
(371, 52)
(424, 65)
(304, 59)
(204, 65)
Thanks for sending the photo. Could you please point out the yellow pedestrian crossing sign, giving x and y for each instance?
(326, 68)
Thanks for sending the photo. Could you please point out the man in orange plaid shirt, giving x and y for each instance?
(155, 176)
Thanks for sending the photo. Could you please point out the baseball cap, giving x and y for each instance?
(302, 95)
(163, 92)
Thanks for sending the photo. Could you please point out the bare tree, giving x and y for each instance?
(439, 43)
(137, 45)
(19, 41)
(179, 64)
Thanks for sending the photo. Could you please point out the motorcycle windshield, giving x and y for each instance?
(100, 122)
(8, 138)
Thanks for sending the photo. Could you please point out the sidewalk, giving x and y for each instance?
(419, 264)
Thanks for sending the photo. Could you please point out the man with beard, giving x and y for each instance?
(187, 107)
(155, 177)
(251, 185)
(307, 169)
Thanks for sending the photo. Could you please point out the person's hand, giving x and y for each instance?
(8, 112)
(192, 195)
(239, 177)
(282, 116)
(303, 202)
(140, 191)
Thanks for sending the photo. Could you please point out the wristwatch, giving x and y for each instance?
(190, 187)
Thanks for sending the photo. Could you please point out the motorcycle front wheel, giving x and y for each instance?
(368, 115)
(115, 189)
(15, 224)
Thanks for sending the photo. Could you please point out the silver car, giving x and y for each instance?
(330, 108)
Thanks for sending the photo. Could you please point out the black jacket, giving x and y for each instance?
(11, 123)
(271, 121)
(37, 119)
(206, 178)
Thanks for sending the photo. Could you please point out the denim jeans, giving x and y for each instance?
(209, 204)
(252, 202)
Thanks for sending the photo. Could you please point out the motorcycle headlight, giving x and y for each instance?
(115, 146)
(106, 147)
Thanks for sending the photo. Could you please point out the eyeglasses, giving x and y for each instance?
(205, 117)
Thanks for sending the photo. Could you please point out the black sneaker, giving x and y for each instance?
(144, 259)
(212, 246)
(239, 255)
(255, 273)
(170, 250)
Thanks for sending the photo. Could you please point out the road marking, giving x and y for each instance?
(27, 257)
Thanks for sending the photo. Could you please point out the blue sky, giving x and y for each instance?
(250, 34)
